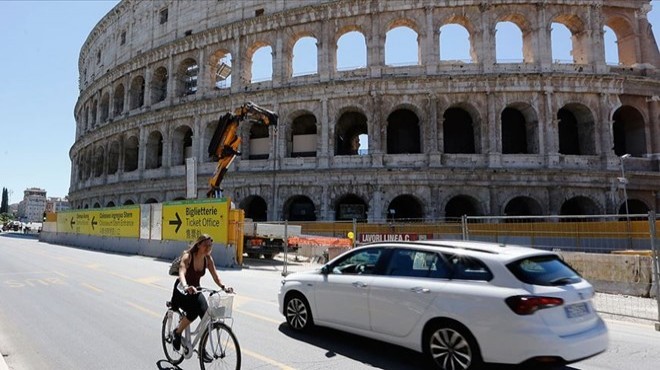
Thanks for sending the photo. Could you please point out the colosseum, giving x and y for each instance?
(431, 139)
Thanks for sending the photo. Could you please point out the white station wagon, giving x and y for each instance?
(460, 303)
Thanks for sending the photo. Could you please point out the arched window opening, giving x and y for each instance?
(262, 65)
(351, 51)
(508, 43)
(350, 127)
(255, 208)
(629, 132)
(405, 207)
(461, 205)
(578, 206)
(97, 205)
(128, 202)
(136, 94)
(113, 158)
(458, 131)
(351, 207)
(98, 162)
(131, 154)
(181, 145)
(259, 142)
(299, 208)
(519, 130)
(611, 46)
(576, 130)
(154, 151)
(110, 204)
(187, 77)
(401, 47)
(305, 56)
(403, 132)
(222, 72)
(561, 44)
(94, 105)
(87, 120)
(626, 40)
(105, 107)
(455, 44)
(118, 100)
(209, 131)
(303, 136)
(151, 201)
(159, 85)
(635, 207)
(523, 206)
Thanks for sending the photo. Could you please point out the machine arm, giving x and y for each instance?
(225, 141)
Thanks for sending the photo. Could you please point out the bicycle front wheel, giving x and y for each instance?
(219, 348)
(170, 322)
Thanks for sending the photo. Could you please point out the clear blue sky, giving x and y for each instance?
(40, 43)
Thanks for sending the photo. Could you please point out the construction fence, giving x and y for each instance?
(617, 254)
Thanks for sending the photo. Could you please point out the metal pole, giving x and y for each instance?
(624, 182)
(355, 235)
(656, 263)
(464, 227)
(285, 272)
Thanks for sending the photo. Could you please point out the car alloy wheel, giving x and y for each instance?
(452, 348)
(298, 314)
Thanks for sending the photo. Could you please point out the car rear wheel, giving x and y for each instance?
(297, 312)
(450, 346)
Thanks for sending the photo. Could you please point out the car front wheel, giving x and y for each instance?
(451, 347)
(297, 312)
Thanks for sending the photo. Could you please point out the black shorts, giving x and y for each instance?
(194, 305)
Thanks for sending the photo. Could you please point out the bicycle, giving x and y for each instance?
(218, 346)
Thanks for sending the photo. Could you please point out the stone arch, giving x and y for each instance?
(110, 204)
(453, 26)
(220, 68)
(580, 206)
(105, 107)
(461, 134)
(99, 161)
(299, 208)
(151, 201)
(303, 49)
(626, 39)
(520, 133)
(131, 154)
(255, 208)
(182, 145)
(159, 85)
(460, 205)
(350, 40)
(349, 207)
(629, 132)
(136, 93)
(635, 207)
(118, 100)
(351, 124)
(405, 30)
(186, 77)
(579, 36)
(264, 50)
(209, 131)
(522, 206)
(96, 205)
(154, 152)
(525, 28)
(260, 142)
(302, 137)
(576, 130)
(405, 207)
(128, 202)
(113, 157)
(403, 132)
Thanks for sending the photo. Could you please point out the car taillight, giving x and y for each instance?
(528, 304)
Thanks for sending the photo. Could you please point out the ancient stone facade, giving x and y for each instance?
(438, 138)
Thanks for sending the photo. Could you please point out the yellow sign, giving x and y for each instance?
(186, 220)
(119, 221)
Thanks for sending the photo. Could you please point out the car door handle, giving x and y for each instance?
(419, 289)
(359, 284)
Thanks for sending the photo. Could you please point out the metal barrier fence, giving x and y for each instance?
(618, 254)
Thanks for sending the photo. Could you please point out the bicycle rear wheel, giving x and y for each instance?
(170, 322)
(219, 349)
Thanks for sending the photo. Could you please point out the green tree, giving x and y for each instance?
(4, 206)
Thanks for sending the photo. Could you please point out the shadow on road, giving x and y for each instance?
(18, 235)
(375, 353)
(166, 365)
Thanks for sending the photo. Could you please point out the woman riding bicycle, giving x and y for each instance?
(194, 262)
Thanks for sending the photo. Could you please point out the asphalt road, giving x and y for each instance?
(68, 308)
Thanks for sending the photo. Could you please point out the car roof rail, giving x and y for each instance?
(430, 244)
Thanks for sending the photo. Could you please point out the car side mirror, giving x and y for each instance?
(325, 269)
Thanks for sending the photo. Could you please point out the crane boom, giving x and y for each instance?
(225, 141)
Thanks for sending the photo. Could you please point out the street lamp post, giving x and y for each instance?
(624, 183)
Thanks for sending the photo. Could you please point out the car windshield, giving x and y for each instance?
(547, 270)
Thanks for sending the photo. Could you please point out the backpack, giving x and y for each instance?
(174, 267)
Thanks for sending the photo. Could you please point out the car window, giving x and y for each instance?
(468, 268)
(407, 262)
(360, 262)
(547, 270)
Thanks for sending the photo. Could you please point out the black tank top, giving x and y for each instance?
(193, 276)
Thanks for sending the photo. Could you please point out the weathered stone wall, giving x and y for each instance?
(131, 42)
